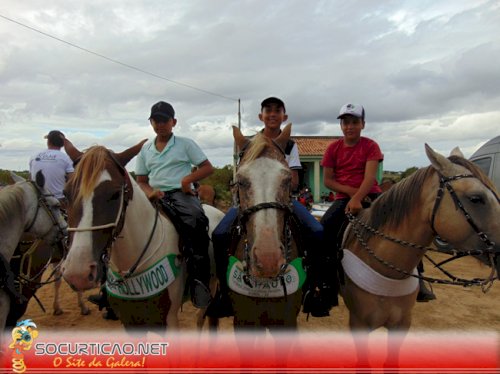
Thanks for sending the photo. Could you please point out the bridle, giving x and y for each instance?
(21, 277)
(126, 193)
(444, 182)
(241, 232)
(42, 203)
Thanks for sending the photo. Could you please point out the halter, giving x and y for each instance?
(443, 182)
(61, 234)
(243, 217)
(42, 203)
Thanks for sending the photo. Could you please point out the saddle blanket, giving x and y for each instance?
(145, 284)
(375, 283)
(294, 277)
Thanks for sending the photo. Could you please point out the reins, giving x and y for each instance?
(117, 225)
(443, 182)
(243, 217)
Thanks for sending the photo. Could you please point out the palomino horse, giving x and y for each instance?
(265, 275)
(114, 226)
(25, 206)
(451, 198)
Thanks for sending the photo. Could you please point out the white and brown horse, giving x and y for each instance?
(25, 206)
(265, 274)
(113, 225)
(451, 198)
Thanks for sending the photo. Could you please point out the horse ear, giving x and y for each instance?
(40, 179)
(73, 153)
(128, 154)
(457, 152)
(283, 138)
(16, 178)
(239, 138)
(439, 162)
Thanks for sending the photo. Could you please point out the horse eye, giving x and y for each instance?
(476, 199)
(115, 196)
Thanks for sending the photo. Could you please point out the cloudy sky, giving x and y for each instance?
(426, 71)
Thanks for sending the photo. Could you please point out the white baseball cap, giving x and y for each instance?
(355, 110)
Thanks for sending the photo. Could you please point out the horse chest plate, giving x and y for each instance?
(145, 284)
(294, 278)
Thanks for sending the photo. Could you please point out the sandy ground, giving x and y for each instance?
(456, 308)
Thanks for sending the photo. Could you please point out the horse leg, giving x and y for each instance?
(84, 309)
(360, 335)
(175, 291)
(395, 338)
(57, 285)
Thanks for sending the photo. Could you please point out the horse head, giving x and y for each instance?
(466, 209)
(263, 184)
(41, 211)
(98, 193)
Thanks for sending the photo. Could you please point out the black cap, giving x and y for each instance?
(55, 137)
(162, 109)
(273, 100)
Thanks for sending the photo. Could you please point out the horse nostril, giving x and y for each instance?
(92, 273)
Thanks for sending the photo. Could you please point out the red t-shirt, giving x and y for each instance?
(348, 163)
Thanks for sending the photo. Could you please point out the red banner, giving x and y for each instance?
(189, 352)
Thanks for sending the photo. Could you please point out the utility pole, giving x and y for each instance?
(235, 152)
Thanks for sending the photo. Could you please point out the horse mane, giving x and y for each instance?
(475, 170)
(88, 171)
(396, 204)
(256, 147)
(11, 198)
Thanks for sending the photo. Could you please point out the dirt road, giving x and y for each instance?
(456, 308)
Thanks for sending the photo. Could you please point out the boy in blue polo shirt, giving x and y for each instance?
(163, 171)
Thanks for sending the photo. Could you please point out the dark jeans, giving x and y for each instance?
(187, 215)
(334, 223)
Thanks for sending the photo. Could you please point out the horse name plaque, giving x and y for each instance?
(145, 284)
(294, 277)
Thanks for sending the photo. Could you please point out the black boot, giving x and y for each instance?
(199, 278)
(100, 299)
(424, 294)
(321, 293)
(221, 305)
(110, 314)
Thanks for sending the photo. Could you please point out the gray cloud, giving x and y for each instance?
(425, 71)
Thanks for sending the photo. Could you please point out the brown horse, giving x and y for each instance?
(115, 228)
(451, 198)
(265, 273)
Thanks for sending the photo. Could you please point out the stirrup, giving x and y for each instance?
(200, 294)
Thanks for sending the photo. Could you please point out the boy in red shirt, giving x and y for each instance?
(350, 167)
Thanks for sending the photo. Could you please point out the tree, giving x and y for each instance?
(408, 172)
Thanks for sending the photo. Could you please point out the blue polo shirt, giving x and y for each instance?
(166, 169)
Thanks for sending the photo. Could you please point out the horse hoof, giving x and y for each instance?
(58, 312)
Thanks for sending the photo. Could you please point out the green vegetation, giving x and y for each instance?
(220, 180)
(6, 179)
